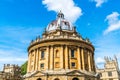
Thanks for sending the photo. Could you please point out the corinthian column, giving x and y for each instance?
(89, 61)
(51, 57)
(92, 62)
(47, 57)
(28, 66)
(61, 57)
(79, 58)
(66, 57)
(36, 60)
(83, 62)
(39, 54)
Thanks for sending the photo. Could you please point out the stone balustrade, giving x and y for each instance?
(38, 39)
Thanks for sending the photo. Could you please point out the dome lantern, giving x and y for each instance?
(60, 15)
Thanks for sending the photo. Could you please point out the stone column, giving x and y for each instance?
(39, 54)
(61, 57)
(78, 58)
(36, 60)
(89, 61)
(69, 58)
(92, 62)
(31, 62)
(51, 57)
(28, 66)
(66, 57)
(83, 62)
(47, 57)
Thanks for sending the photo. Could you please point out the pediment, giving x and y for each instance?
(39, 73)
(75, 72)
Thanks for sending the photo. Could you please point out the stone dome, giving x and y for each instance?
(61, 53)
(59, 23)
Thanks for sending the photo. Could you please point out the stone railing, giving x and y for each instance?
(38, 39)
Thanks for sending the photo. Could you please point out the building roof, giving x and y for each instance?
(59, 23)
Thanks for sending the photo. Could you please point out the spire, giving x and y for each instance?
(60, 15)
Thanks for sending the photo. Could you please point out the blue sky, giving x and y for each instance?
(23, 20)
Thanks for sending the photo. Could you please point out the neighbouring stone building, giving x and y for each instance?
(10, 72)
(60, 54)
(110, 71)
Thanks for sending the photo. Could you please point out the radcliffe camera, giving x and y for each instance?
(59, 40)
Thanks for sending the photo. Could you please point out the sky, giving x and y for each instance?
(23, 20)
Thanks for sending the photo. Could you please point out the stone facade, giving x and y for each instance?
(110, 71)
(61, 54)
(10, 72)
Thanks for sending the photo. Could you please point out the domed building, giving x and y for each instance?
(60, 54)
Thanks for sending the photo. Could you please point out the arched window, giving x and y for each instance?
(39, 79)
(75, 79)
(56, 79)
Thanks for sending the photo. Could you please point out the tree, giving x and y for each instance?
(24, 68)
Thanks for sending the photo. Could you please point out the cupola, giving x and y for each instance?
(59, 23)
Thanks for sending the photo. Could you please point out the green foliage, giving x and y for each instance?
(24, 68)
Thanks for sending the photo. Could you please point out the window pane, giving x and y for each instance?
(42, 65)
(109, 73)
(42, 54)
(73, 64)
(72, 53)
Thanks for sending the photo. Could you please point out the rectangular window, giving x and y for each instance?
(42, 54)
(72, 64)
(72, 54)
(109, 73)
(42, 65)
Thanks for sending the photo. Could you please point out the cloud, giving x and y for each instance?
(99, 60)
(99, 2)
(68, 7)
(113, 22)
